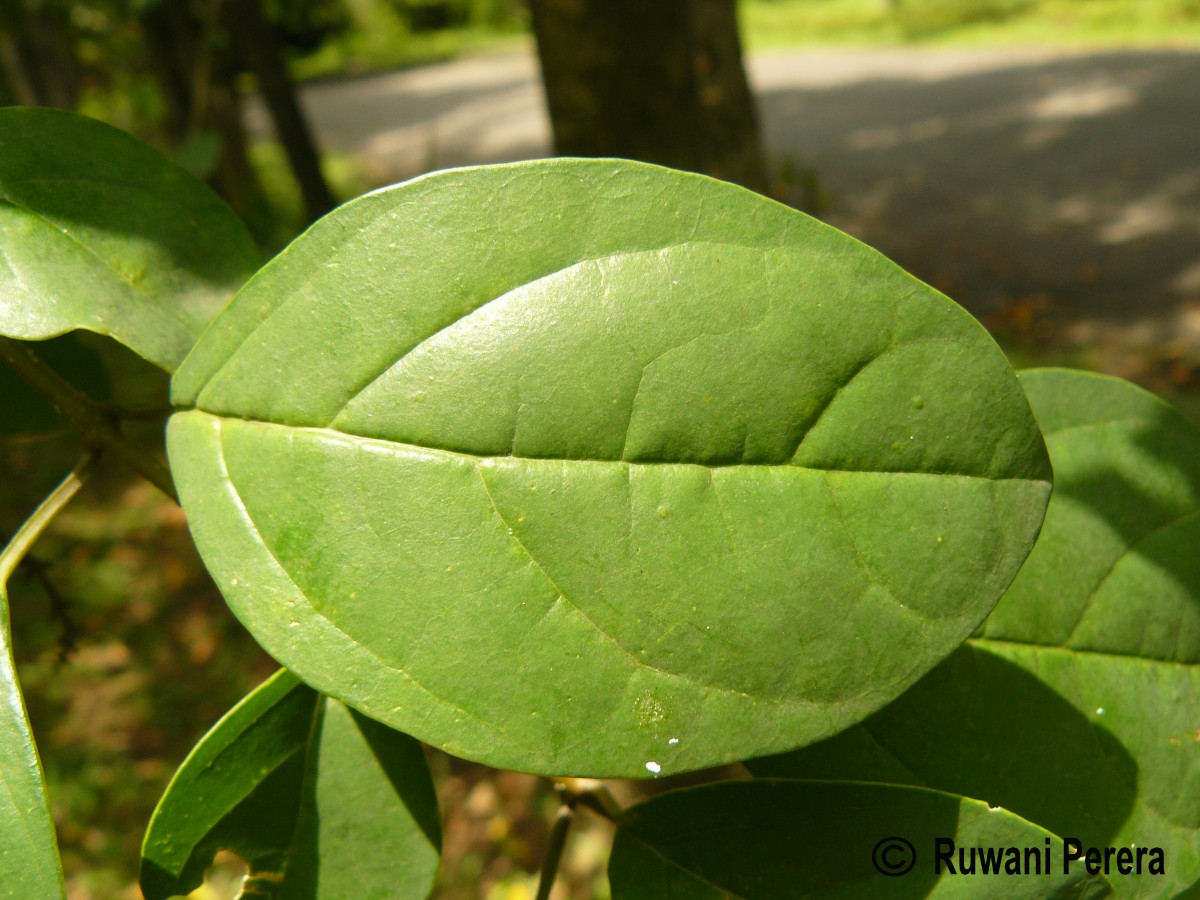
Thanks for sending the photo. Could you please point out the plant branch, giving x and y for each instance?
(33, 527)
(591, 794)
(95, 424)
(554, 850)
(138, 413)
(601, 802)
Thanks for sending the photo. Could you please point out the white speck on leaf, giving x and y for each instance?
(650, 711)
(653, 767)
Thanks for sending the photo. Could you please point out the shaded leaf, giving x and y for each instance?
(99, 231)
(22, 409)
(1115, 568)
(778, 838)
(593, 467)
(1079, 714)
(29, 865)
(318, 800)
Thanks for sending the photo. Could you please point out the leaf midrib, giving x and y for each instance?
(988, 643)
(402, 447)
(1131, 550)
(631, 834)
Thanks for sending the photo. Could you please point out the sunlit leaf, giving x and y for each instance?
(1078, 708)
(29, 865)
(593, 467)
(99, 231)
(317, 800)
(776, 838)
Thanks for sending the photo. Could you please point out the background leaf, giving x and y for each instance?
(29, 864)
(606, 469)
(777, 838)
(1115, 568)
(1088, 730)
(99, 231)
(318, 801)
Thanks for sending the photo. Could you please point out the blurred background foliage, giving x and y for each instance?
(171, 71)
(126, 651)
(1080, 23)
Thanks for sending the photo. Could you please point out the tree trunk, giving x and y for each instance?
(259, 51)
(658, 81)
(172, 40)
(37, 54)
(12, 65)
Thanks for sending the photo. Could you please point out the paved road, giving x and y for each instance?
(1056, 193)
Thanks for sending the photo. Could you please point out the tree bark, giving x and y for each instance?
(658, 81)
(260, 52)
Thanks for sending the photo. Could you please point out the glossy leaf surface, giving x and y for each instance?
(29, 865)
(1089, 731)
(318, 800)
(583, 466)
(778, 838)
(99, 231)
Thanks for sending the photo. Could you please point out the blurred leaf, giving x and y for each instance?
(101, 232)
(607, 469)
(1078, 708)
(200, 153)
(29, 865)
(776, 838)
(318, 800)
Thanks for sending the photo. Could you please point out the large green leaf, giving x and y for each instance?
(29, 865)
(318, 800)
(99, 231)
(1088, 730)
(777, 838)
(593, 467)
